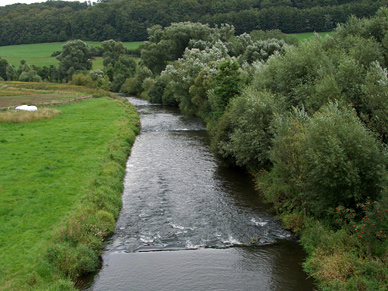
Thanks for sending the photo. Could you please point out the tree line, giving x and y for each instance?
(57, 21)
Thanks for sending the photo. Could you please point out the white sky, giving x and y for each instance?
(8, 2)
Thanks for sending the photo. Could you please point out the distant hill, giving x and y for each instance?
(128, 20)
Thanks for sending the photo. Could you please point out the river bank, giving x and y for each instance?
(190, 222)
(61, 191)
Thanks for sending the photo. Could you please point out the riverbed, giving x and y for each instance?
(190, 222)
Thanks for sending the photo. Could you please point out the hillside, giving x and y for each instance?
(128, 20)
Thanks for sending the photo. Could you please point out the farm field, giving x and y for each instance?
(48, 170)
(19, 93)
(39, 54)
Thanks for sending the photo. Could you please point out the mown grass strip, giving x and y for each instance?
(60, 191)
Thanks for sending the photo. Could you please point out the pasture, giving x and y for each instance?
(49, 168)
(40, 54)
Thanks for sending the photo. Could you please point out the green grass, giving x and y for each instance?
(308, 35)
(51, 171)
(39, 54)
(98, 64)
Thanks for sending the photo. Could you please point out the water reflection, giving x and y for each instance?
(253, 268)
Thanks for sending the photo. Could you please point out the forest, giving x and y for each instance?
(56, 21)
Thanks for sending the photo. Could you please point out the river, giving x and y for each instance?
(189, 222)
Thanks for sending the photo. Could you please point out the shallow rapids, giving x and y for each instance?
(180, 197)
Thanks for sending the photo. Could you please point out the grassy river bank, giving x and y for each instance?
(60, 189)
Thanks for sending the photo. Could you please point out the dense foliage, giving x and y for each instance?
(54, 21)
(75, 56)
(308, 121)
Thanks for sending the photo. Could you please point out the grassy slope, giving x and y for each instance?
(39, 54)
(47, 167)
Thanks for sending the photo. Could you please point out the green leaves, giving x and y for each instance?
(243, 134)
(75, 56)
(337, 160)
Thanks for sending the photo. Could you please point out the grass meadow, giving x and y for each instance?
(53, 172)
(39, 54)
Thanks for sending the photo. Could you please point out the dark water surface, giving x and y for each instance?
(188, 221)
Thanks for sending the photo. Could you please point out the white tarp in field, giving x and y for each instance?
(27, 108)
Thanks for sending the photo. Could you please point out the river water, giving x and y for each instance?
(189, 222)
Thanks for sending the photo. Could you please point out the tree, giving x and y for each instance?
(169, 44)
(226, 84)
(3, 68)
(112, 51)
(183, 72)
(75, 56)
(243, 134)
(330, 159)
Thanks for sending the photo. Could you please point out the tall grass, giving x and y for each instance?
(17, 116)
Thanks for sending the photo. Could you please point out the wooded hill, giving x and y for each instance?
(128, 20)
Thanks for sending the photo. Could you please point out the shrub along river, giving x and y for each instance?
(189, 222)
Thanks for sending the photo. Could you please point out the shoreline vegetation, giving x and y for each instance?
(61, 189)
(307, 119)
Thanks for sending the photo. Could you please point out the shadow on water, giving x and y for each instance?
(188, 221)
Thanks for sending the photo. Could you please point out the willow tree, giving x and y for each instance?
(75, 56)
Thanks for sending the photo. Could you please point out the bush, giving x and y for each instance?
(283, 185)
(73, 261)
(97, 74)
(168, 97)
(295, 74)
(30, 76)
(243, 134)
(155, 92)
(375, 102)
(330, 160)
(226, 85)
(134, 85)
(81, 79)
(345, 164)
(335, 260)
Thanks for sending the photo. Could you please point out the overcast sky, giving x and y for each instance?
(8, 2)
